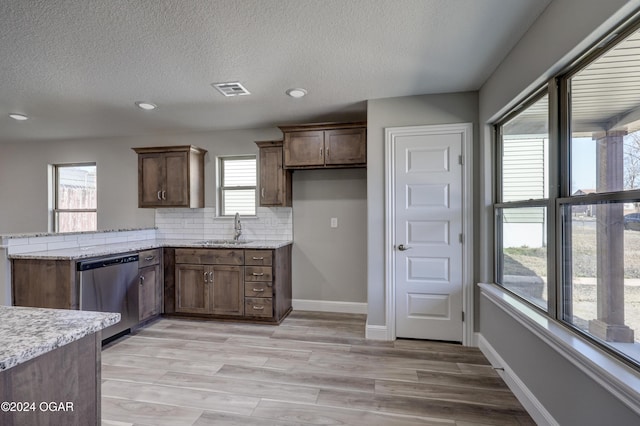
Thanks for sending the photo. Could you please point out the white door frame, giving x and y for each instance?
(391, 133)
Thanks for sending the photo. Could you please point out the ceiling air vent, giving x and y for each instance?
(233, 88)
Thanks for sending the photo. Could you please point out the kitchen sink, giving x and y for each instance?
(224, 242)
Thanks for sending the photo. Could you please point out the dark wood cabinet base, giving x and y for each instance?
(61, 387)
(221, 318)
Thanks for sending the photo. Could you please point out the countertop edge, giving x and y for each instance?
(111, 249)
(27, 349)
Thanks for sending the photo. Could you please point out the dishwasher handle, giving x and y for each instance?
(103, 263)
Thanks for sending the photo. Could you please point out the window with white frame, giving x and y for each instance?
(237, 183)
(75, 204)
(572, 247)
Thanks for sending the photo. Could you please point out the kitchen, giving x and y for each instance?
(337, 217)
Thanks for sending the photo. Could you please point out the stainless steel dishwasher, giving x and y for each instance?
(110, 284)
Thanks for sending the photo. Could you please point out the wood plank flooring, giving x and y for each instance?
(313, 369)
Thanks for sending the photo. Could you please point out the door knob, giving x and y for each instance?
(402, 247)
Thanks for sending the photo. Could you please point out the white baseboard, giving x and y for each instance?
(528, 400)
(329, 306)
(376, 332)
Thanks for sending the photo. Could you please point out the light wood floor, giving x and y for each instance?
(313, 369)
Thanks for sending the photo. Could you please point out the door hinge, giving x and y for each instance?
(462, 316)
(461, 238)
(460, 160)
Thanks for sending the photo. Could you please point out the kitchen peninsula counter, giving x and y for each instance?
(50, 365)
(111, 249)
(26, 333)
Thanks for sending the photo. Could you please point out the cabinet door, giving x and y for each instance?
(228, 290)
(272, 177)
(345, 146)
(150, 179)
(176, 184)
(149, 289)
(303, 149)
(192, 289)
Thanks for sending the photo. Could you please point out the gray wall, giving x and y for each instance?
(565, 29)
(395, 112)
(330, 264)
(23, 173)
(566, 392)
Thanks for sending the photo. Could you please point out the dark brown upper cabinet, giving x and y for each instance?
(275, 182)
(171, 176)
(326, 145)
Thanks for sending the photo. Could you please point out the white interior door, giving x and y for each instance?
(427, 244)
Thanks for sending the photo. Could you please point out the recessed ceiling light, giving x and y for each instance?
(296, 93)
(146, 105)
(19, 117)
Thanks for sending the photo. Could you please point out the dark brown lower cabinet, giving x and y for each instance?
(209, 282)
(209, 289)
(64, 386)
(150, 284)
(252, 284)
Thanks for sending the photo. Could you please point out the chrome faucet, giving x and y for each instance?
(237, 227)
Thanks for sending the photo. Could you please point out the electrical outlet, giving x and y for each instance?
(334, 222)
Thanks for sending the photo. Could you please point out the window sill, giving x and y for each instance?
(621, 380)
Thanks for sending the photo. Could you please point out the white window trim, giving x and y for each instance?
(219, 187)
(54, 197)
(618, 378)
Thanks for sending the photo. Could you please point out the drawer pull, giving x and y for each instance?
(205, 277)
(258, 274)
(149, 258)
(258, 258)
(258, 308)
(258, 290)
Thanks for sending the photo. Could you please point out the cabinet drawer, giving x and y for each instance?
(258, 257)
(258, 289)
(258, 307)
(210, 256)
(257, 273)
(148, 258)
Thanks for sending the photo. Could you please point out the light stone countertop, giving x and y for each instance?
(26, 333)
(133, 246)
(57, 234)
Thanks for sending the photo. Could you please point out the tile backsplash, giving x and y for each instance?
(26, 243)
(270, 223)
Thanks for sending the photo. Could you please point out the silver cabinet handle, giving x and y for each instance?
(205, 277)
(258, 308)
(164, 195)
(402, 247)
(159, 196)
(262, 192)
(211, 277)
(141, 280)
(258, 258)
(320, 152)
(258, 290)
(149, 258)
(255, 274)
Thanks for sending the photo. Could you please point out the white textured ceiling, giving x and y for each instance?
(76, 67)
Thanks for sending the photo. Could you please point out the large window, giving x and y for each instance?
(75, 198)
(568, 197)
(522, 211)
(237, 181)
